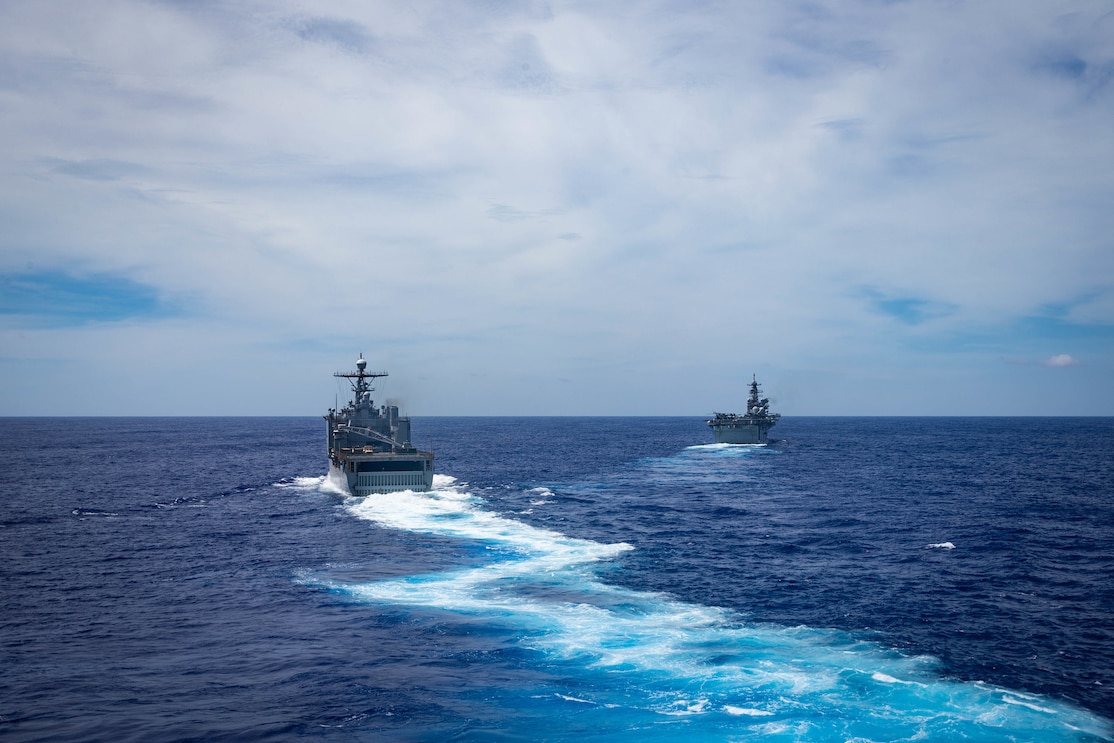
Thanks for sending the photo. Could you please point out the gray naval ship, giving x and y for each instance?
(732, 428)
(369, 447)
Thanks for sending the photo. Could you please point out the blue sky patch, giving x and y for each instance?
(67, 299)
(1066, 65)
(1061, 329)
(1028, 340)
(908, 310)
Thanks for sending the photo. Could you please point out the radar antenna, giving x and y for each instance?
(358, 379)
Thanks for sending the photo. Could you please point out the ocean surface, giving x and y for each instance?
(588, 579)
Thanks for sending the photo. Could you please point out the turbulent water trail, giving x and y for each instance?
(650, 660)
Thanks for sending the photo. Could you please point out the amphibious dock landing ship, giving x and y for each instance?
(369, 447)
(751, 428)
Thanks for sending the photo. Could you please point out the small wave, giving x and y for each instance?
(686, 707)
(746, 711)
(1008, 699)
(84, 513)
(574, 699)
(886, 678)
(350, 720)
(544, 495)
(941, 546)
(301, 483)
(184, 502)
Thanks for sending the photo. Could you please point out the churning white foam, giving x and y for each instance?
(574, 699)
(1011, 699)
(724, 447)
(942, 546)
(729, 709)
(302, 483)
(683, 659)
(541, 497)
(449, 511)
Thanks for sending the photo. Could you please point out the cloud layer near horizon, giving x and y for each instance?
(549, 208)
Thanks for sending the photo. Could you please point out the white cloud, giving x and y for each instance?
(572, 189)
(1060, 360)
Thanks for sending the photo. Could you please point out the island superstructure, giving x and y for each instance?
(369, 447)
(751, 428)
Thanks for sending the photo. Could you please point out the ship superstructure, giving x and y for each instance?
(369, 446)
(751, 428)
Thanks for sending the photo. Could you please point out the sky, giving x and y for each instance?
(575, 207)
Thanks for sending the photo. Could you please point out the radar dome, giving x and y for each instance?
(361, 363)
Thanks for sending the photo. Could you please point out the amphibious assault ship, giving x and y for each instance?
(732, 428)
(369, 447)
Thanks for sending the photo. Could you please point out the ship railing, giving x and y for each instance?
(368, 433)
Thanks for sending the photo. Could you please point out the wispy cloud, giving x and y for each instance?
(505, 213)
(345, 35)
(103, 169)
(1060, 360)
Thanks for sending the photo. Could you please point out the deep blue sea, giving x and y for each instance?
(588, 579)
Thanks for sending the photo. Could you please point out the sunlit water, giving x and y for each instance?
(604, 579)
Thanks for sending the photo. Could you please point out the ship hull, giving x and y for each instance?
(741, 433)
(382, 472)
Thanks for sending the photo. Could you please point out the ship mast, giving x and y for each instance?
(361, 377)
